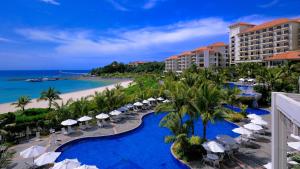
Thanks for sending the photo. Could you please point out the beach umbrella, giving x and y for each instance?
(294, 145)
(69, 122)
(102, 116)
(160, 99)
(166, 101)
(295, 137)
(85, 118)
(268, 166)
(115, 113)
(254, 116)
(87, 167)
(123, 109)
(214, 147)
(145, 102)
(259, 122)
(67, 164)
(46, 158)
(33, 151)
(151, 99)
(129, 106)
(225, 139)
(242, 131)
(242, 79)
(253, 127)
(251, 80)
(138, 104)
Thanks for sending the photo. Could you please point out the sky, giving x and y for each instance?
(83, 34)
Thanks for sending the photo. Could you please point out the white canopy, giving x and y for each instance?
(160, 99)
(102, 116)
(138, 104)
(214, 147)
(67, 164)
(294, 145)
(166, 101)
(259, 122)
(295, 137)
(46, 158)
(85, 118)
(145, 102)
(242, 131)
(33, 151)
(87, 167)
(268, 166)
(253, 127)
(68, 122)
(151, 99)
(115, 113)
(254, 116)
(242, 79)
(251, 80)
(225, 139)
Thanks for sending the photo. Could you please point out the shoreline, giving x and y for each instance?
(7, 107)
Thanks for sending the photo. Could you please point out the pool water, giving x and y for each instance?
(143, 148)
(249, 110)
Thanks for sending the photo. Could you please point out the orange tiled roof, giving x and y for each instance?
(185, 53)
(241, 24)
(172, 57)
(290, 55)
(217, 44)
(268, 24)
(200, 49)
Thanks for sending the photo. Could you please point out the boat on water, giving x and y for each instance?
(41, 79)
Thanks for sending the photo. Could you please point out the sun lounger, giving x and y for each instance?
(38, 136)
(99, 124)
(63, 131)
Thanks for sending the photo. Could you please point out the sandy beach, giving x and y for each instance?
(7, 107)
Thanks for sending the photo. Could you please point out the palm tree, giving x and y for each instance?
(80, 107)
(99, 102)
(51, 94)
(62, 111)
(22, 102)
(6, 158)
(207, 103)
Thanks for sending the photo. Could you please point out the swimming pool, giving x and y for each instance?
(142, 148)
(249, 110)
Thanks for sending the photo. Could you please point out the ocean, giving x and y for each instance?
(13, 84)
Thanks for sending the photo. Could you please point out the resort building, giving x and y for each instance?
(277, 59)
(285, 121)
(214, 55)
(136, 63)
(254, 43)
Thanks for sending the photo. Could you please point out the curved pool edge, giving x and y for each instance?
(179, 160)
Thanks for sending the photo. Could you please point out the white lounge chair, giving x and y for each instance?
(38, 136)
(63, 131)
(99, 124)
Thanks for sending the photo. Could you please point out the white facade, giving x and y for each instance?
(285, 120)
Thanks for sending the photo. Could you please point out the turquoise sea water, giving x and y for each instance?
(13, 84)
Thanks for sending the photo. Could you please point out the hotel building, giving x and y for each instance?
(254, 43)
(214, 55)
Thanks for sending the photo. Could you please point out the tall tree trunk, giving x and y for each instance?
(204, 130)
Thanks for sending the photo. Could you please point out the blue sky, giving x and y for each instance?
(82, 34)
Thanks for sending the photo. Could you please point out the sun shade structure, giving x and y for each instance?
(146, 102)
(242, 79)
(214, 147)
(138, 104)
(115, 113)
(46, 158)
(151, 99)
(225, 139)
(85, 118)
(129, 106)
(242, 131)
(33, 151)
(294, 145)
(268, 166)
(87, 167)
(253, 127)
(254, 116)
(69, 122)
(259, 122)
(160, 99)
(295, 137)
(166, 101)
(67, 164)
(102, 116)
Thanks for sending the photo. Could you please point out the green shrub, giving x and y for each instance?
(35, 111)
(296, 158)
(235, 117)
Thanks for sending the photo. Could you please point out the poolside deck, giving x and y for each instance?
(248, 158)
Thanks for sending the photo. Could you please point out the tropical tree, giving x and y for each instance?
(80, 107)
(50, 95)
(61, 111)
(99, 102)
(22, 102)
(6, 158)
(207, 102)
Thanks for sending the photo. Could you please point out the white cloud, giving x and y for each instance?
(52, 2)
(127, 41)
(269, 4)
(118, 5)
(150, 4)
(5, 40)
